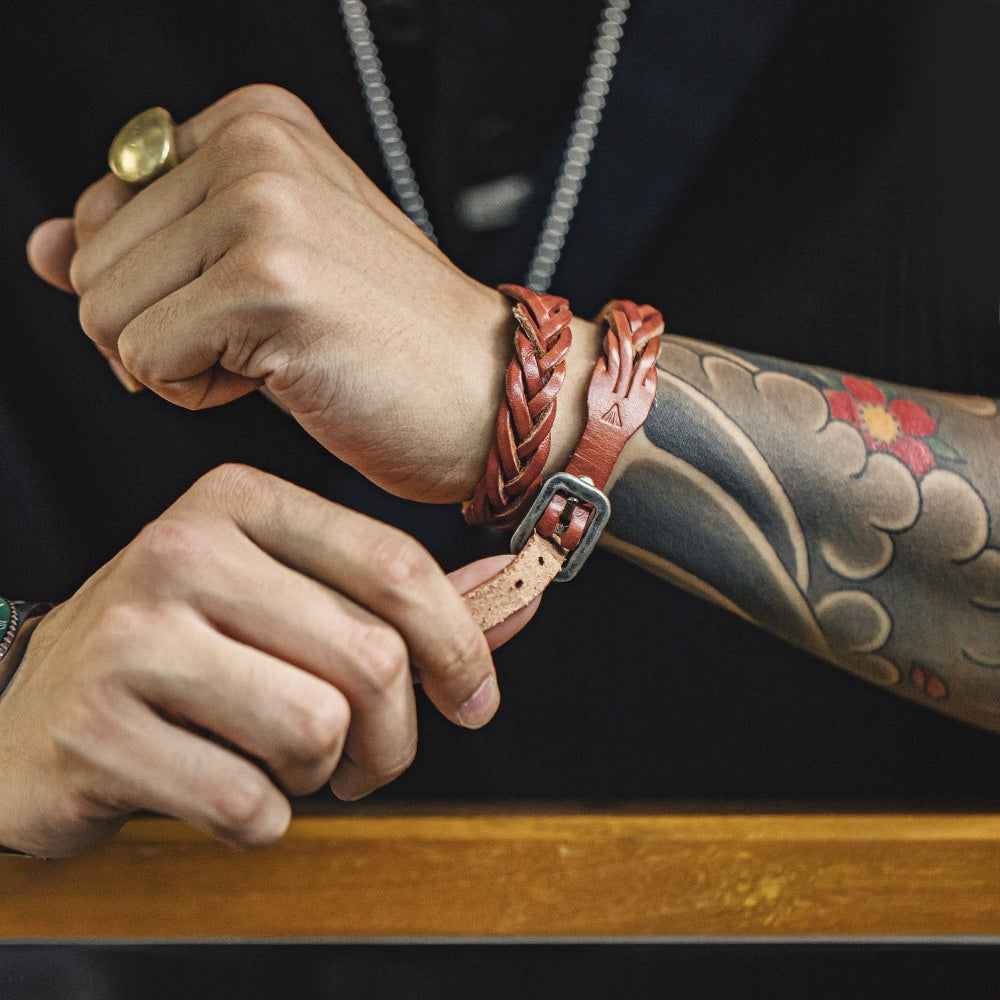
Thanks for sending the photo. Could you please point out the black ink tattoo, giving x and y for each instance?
(849, 517)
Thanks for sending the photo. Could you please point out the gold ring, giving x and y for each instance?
(145, 147)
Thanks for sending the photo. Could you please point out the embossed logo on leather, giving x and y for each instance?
(613, 416)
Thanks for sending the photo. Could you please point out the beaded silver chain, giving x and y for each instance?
(576, 156)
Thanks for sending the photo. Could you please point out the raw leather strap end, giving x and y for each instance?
(520, 582)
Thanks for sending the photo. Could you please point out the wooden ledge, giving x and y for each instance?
(514, 873)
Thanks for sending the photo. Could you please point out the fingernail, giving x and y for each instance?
(481, 706)
(124, 377)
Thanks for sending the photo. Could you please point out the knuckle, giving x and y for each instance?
(239, 807)
(94, 207)
(267, 97)
(384, 656)
(117, 630)
(91, 313)
(134, 343)
(233, 481)
(240, 492)
(363, 778)
(320, 727)
(87, 212)
(384, 773)
(171, 547)
(401, 764)
(253, 135)
(272, 270)
(400, 563)
(263, 195)
(381, 772)
(79, 276)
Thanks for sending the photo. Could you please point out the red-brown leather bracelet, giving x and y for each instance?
(514, 466)
(562, 524)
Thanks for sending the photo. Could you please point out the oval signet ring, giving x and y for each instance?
(145, 147)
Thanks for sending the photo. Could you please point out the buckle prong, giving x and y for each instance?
(578, 492)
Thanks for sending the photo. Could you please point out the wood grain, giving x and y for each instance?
(524, 873)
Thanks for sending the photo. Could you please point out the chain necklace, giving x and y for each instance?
(576, 156)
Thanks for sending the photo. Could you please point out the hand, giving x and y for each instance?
(254, 642)
(268, 259)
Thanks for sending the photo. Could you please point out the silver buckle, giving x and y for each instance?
(578, 491)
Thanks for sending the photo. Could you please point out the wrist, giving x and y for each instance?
(605, 399)
(18, 620)
(519, 475)
(485, 391)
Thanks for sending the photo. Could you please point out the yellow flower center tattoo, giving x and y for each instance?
(880, 423)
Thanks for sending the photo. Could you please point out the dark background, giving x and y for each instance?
(680, 971)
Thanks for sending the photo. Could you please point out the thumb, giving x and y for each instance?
(50, 249)
(475, 573)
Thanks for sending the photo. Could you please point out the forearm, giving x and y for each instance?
(853, 520)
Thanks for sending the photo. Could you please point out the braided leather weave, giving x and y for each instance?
(620, 396)
(619, 399)
(525, 418)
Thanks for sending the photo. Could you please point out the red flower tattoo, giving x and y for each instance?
(899, 426)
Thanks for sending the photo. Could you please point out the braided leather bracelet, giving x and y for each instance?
(562, 519)
(513, 477)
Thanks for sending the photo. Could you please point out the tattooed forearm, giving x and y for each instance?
(853, 519)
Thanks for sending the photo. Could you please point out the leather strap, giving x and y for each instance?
(620, 396)
(517, 584)
(517, 458)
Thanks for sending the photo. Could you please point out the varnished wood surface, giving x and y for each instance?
(525, 873)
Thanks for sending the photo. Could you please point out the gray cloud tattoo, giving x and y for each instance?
(805, 502)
